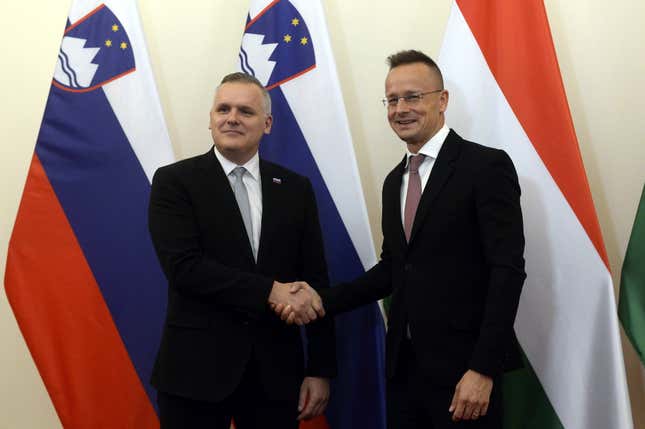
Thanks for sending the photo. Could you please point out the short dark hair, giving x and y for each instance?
(412, 56)
(240, 77)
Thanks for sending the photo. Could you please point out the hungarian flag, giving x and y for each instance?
(82, 277)
(500, 67)
(286, 46)
(631, 307)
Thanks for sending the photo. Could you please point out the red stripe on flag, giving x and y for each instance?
(65, 321)
(515, 38)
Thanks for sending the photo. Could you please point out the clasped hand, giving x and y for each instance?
(296, 302)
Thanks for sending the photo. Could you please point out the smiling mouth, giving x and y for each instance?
(233, 132)
(405, 121)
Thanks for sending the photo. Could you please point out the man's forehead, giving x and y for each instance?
(404, 80)
(237, 92)
(413, 71)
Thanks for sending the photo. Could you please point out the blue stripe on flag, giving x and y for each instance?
(104, 193)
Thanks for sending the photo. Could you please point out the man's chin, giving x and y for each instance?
(405, 134)
(408, 127)
(228, 148)
(231, 143)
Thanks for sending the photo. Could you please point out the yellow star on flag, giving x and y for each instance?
(287, 38)
(304, 41)
(123, 45)
(108, 43)
(295, 22)
(115, 28)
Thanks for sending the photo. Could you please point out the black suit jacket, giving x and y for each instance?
(218, 318)
(457, 282)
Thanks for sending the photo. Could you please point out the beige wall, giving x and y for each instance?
(193, 43)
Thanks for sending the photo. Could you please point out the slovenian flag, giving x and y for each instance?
(82, 276)
(506, 91)
(286, 46)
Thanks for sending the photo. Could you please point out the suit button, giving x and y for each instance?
(407, 267)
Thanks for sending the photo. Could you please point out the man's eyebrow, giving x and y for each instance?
(239, 106)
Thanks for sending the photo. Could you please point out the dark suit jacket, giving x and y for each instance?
(457, 282)
(218, 318)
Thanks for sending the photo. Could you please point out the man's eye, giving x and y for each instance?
(392, 101)
(412, 98)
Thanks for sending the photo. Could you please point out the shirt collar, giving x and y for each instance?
(432, 147)
(252, 166)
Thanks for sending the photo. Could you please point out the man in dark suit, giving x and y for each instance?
(452, 259)
(231, 232)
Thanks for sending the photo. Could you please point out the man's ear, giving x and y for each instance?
(443, 100)
(268, 122)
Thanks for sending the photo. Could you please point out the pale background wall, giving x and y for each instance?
(193, 43)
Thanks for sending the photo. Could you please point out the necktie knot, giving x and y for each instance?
(238, 172)
(415, 162)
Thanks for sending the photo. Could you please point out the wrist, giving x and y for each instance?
(275, 292)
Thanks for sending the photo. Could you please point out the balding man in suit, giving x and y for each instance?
(232, 232)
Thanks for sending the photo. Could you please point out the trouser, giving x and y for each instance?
(413, 402)
(249, 406)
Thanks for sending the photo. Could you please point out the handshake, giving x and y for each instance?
(296, 302)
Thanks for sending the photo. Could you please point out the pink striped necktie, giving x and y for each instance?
(413, 195)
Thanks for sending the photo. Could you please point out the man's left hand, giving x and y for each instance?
(314, 395)
(472, 396)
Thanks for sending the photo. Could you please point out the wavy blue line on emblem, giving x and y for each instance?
(67, 69)
(74, 77)
(244, 62)
(63, 67)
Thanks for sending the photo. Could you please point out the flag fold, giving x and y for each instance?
(500, 66)
(82, 277)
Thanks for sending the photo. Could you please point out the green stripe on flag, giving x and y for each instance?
(526, 405)
(631, 307)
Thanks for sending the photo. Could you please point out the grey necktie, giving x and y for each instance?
(413, 194)
(242, 197)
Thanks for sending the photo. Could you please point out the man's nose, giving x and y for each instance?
(401, 106)
(232, 117)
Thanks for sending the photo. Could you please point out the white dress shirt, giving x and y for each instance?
(430, 149)
(253, 183)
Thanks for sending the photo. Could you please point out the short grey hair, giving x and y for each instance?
(252, 80)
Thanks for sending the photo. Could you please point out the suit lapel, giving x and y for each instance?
(441, 172)
(392, 201)
(222, 197)
(270, 190)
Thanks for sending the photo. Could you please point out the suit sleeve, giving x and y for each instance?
(374, 284)
(177, 241)
(499, 218)
(321, 339)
